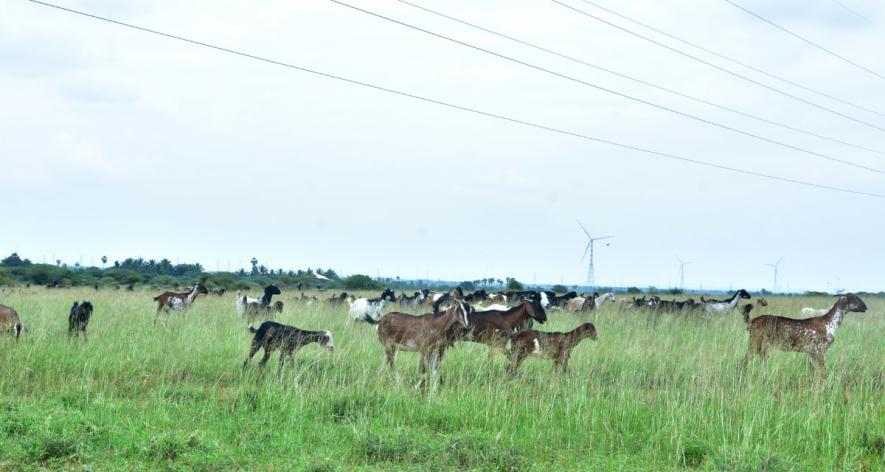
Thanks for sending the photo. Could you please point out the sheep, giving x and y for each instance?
(10, 322)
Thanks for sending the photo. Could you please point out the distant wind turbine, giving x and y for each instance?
(682, 265)
(591, 276)
(775, 266)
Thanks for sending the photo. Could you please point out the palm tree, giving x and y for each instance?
(104, 260)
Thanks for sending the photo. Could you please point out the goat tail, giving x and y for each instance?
(157, 298)
(252, 329)
(746, 314)
(368, 319)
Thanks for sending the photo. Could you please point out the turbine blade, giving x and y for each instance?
(604, 237)
(585, 229)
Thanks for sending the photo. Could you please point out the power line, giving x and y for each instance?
(643, 82)
(468, 109)
(732, 60)
(804, 39)
(855, 12)
(723, 69)
(613, 92)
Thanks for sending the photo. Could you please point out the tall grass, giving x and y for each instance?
(650, 394)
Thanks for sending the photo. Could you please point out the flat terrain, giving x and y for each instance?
(647, 395)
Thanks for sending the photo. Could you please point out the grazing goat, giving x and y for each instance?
(761, 302)
(78, 318)
(363, 308)
(484, 325)
(722, 306)
(178, 301)
(338, 300)
(812, 336)
(430, 335)
(580, 304)
(560, 301)
(9, 321)
(554, 346)
(288, 339)
(218, 291)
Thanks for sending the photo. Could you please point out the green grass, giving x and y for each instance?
(170, 396)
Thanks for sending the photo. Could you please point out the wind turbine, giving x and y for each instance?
(591, 277)
(682, 265)
(774, 287)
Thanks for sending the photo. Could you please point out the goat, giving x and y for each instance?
(414, 301)
(288, 339)
(430, 335)
(370, 307)
(761, 302)
(218, 291)
(476, 296)
(722, 306)
(454, 294)
(813, 336)
(560, 301)
(554, 346)
(178, 301)
(10, 322)
(601, 299)
(253, 307)
(337, 300)
(484, 325)
(78, 318)
(580, 304)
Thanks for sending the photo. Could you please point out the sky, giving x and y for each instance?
(121, 143)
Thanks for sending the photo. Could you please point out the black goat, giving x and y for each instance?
(78, 319)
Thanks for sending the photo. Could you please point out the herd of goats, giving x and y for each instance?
(502, 321)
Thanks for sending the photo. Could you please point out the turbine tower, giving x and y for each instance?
(774, 266)
(591, 276)
(682, 265)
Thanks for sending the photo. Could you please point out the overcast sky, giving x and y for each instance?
(120, 143)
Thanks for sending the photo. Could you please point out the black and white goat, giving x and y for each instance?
(363, 309)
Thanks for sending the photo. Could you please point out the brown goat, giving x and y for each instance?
(812, 336)
(9, 321)
(554, 346)
(430, 335)
(484, 325)
(178, 301)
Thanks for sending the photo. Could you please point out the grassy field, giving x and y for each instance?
(665, 396)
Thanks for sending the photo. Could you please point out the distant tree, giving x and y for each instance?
(254, 263)
(513, 284)
(634, 290)
(468, 285)
(675, 291)
(104, 260)
(559, 288)
(361, 282)
(14, 261)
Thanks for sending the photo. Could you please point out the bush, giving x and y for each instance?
(634, 290)
(361, 282)
(560, 288)
(514, 284)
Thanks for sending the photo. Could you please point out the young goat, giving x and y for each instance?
(288, 339)
(78, 319)
(812, 336)
(484, 325)
(9, 321)
(554, 346)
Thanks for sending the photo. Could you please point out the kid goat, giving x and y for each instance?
(554, 346)
(812, 336)
(288, 339)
